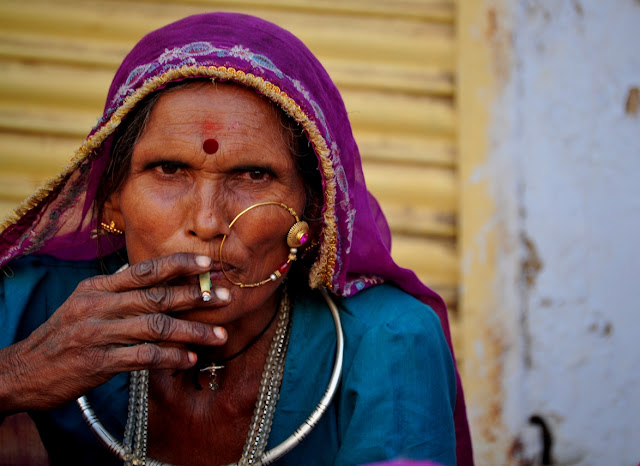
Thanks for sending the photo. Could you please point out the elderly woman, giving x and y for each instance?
(212, 280)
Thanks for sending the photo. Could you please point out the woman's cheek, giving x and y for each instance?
(152, 216)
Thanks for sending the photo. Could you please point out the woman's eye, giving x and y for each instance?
(257, 174)
(168, 168)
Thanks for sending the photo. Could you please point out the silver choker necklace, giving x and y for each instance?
(133, 451)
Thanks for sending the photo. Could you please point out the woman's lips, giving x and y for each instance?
(216, 276)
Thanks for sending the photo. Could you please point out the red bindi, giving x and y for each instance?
(210, 146)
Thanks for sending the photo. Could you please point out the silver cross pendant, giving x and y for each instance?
(213, 381)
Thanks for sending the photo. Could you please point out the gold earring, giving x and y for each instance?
(298, 234)
(111, 228)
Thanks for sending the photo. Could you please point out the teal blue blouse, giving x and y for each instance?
(396, 398)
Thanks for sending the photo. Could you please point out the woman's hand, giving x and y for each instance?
(109, 324)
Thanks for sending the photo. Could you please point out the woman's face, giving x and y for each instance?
(181, 194)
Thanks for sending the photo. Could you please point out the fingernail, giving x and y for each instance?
(203, 261)
(222, 293)
(219, 332)
(193, 357)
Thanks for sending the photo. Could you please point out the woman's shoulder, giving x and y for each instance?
(42, 270)
(380, 310)
(27, 264)
(32, 288)
(395, 351)
(388, 306)
(378, 323)
(398, 381)
(49, 274)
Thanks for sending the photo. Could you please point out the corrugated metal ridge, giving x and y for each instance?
(381, 39)
(33, 50)
(425, 10)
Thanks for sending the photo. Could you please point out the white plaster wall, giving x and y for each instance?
(576, 153)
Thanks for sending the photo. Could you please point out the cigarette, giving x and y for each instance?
(205, 285)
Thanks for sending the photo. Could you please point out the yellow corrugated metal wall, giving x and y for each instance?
(393, 61)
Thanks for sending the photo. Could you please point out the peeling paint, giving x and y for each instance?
(530, 267)
(500, 38)
(492, 23)
(531, 264)
(546, 302)
(535, 7)
(555, 234)
(603, 328)
(577, 148)
(632, 106)
(578, 7)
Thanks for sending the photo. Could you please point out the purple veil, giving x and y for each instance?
(355, 244)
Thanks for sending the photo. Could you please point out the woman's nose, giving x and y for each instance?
(208, 214)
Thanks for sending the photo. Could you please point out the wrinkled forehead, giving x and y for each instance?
(215, 106)
(210, 116)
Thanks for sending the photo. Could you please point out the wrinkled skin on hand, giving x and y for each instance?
(110, 324)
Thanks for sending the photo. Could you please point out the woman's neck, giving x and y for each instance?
(190, 422)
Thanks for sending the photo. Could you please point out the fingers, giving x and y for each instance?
(161, 327)
(157, 327)
(164, 340)
(142, 288)
(152, 356)
(161, 299)
(151, 272)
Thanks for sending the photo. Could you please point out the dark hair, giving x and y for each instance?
(125, 138)
(132, 127)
